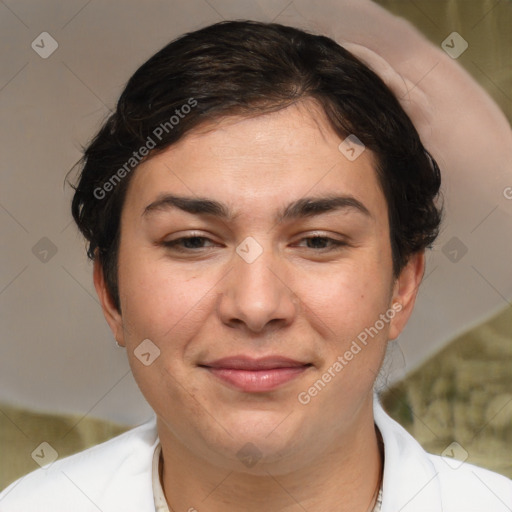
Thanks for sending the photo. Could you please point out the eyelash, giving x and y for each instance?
(174, 244)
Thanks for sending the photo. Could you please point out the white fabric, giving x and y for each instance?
(158, 492)
(116, 476)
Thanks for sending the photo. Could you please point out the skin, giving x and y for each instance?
(294, 300)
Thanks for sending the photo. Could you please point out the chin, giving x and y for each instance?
(259, 445)
(260, 458)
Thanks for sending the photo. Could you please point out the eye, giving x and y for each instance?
(195, 243)
(187, 243)
(322, 243)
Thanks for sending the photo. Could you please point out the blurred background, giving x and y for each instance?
(63, 381)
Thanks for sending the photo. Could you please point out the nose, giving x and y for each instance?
(258, 296)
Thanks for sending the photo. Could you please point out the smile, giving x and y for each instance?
(256, 375)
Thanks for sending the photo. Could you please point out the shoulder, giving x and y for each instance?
(471, 488)
(416, 481)
(115, 475)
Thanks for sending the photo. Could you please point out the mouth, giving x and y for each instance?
(256, 375)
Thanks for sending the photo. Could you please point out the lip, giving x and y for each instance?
(242, 362)
(256, 375)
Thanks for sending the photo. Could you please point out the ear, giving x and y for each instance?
(405, 290)
(112, 315)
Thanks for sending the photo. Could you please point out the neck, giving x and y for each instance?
(347, 478)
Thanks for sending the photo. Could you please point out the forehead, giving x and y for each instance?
(259, 161)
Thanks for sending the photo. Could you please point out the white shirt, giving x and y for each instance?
(116, 476)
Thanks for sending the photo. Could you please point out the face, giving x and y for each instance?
(222, 257)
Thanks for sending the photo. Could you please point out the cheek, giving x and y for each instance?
(168, 307)
(346, 298)
(158, 300)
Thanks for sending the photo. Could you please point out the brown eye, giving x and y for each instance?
(186, 243)
(322, 243)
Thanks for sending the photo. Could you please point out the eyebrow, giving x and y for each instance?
(301, 208)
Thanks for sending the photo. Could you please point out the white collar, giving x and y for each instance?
(158, 492)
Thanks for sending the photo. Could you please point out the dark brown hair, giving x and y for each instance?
(248, 68)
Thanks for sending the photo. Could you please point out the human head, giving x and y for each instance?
(249, 68)
(239, 138)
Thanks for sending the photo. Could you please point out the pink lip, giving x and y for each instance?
(256, 375)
